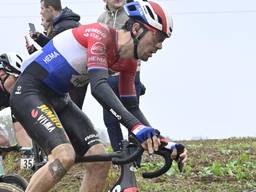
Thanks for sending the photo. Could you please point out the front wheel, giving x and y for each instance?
(15, 180)
(6, 187)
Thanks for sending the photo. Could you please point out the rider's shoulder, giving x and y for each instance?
(97, 27)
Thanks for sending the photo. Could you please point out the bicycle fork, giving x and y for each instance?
(127, 180)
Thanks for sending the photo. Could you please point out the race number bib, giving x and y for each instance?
(26, 162)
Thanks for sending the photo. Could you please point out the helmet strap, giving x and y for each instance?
(136, 40)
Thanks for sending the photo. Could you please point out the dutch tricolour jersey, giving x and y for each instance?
(69, 56)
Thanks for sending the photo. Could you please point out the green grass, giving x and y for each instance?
(227, 165)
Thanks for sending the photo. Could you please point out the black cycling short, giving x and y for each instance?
(48, 117)
(4, 99)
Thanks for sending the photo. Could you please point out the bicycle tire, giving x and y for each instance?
(15, 180)
(7, 187)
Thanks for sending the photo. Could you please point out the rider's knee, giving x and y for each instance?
(65, 154)
(97, 166)
(61, 158)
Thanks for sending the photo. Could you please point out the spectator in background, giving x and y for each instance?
(56, 20)
(47, 25)
(114, 16)
(40, 38)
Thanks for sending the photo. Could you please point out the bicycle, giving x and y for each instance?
(34, 157)
(125, 159)
(13, 182)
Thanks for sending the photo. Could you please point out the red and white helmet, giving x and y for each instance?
(150, 13)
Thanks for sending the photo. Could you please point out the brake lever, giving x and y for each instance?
(180, 149)
(124, 159)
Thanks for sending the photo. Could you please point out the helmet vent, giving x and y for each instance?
(159, 19)
(132, 8)
(150, 12)
(18, 65)
(170, 29)
(19, 57)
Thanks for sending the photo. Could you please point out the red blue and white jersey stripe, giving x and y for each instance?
(69, 57)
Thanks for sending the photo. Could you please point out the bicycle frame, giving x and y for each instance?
(125, 158)
(127, 180)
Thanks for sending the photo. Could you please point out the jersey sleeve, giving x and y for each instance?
(103, 93)
(94, 38)
(127, 78)
(97, 48)
(127, 90)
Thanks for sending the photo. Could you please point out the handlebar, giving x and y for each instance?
(118, 157)
(166, 154)
(9, 149)
(121, 158)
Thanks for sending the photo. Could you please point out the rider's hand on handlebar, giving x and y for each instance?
(181, 156)
(147, 136)
(179, 152)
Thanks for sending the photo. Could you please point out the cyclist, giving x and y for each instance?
(84, 55)
(10, 64)
(115, 17)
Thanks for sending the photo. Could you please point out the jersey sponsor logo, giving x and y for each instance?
(115, 114)
(18, 90)
(34, 113)
(79, 80)
(47, 118)
(92, 138)
(50, 114)
(87, 32)
(117, 189)
(98, 48)
(43, 120)
(97, 59)
(93, 141)
(93, 35)
(48, 58)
